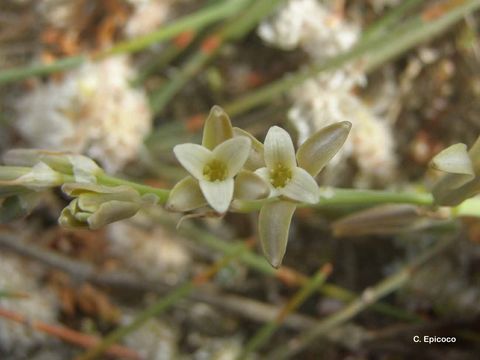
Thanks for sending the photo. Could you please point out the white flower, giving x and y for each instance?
(282, 173)
(295, 183)
(215, 169)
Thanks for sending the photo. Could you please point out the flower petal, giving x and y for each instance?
(233, 153)
(320, 148)
(250, 186)
(279, 148)
(255, 159)
(219, 194)
(185, 196)
(302, 187)
(273, 226)
(217, 129)
(454, 160)
(193, 158)
(110, 212)
(264, 173)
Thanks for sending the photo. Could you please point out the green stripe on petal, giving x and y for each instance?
(322, 146)
(219, 194)
(302, 187)
(217, 129)
(193, 158)
(233, 153)
(250, 186)
(279, 148)
(273, 226)
(185, 196)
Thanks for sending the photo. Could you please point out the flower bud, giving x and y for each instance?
(81, 167)
(95, 206)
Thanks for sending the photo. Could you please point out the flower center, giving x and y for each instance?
(280, 175)
(215, 170)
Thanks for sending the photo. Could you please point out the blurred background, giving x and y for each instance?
(123, 81)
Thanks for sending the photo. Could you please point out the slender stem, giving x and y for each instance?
(369, 296)
(269, 328)
(209, 48)
(292, 277)
(377, 51)
(194, 21)
(390, 19)
(162, 305)
(107, 180)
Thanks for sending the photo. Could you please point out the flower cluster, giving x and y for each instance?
(230, 171)
(232, 165)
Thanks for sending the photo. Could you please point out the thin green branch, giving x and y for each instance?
(259, 264)
(376, 51)
(365, 300)
(161, 306)
(390, 19)
(195, 21)
(209, 48)
(269, 328)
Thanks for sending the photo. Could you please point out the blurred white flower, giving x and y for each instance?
(327, 98)
(311, 26)
(370, 143)
(92, 110)
(147, 16)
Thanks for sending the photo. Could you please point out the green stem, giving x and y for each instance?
(334, 197)
(231, 31)
(258, 263)
(369, 296)
(194, 21)
(390, 19)
(107, 180)
(269, 328)
(162, 305)
(378, 50)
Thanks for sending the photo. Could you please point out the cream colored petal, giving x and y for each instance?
(255, 159)
(219, 194)
(273, 226)
(185, 196)
(217, 129)
(110, 212)
(474, 154)
(279, 148)
(250, 186)
(264, 173)
(454, 160)
(320, 148)
(193, 158)
(233, 153)
(302, 187)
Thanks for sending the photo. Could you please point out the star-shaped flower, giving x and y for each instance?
(291, 178)
(282, 173)
(215, 169)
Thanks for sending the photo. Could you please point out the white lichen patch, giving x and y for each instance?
(93, 110)
(17, 276)
(155, 340)
(152, 253)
